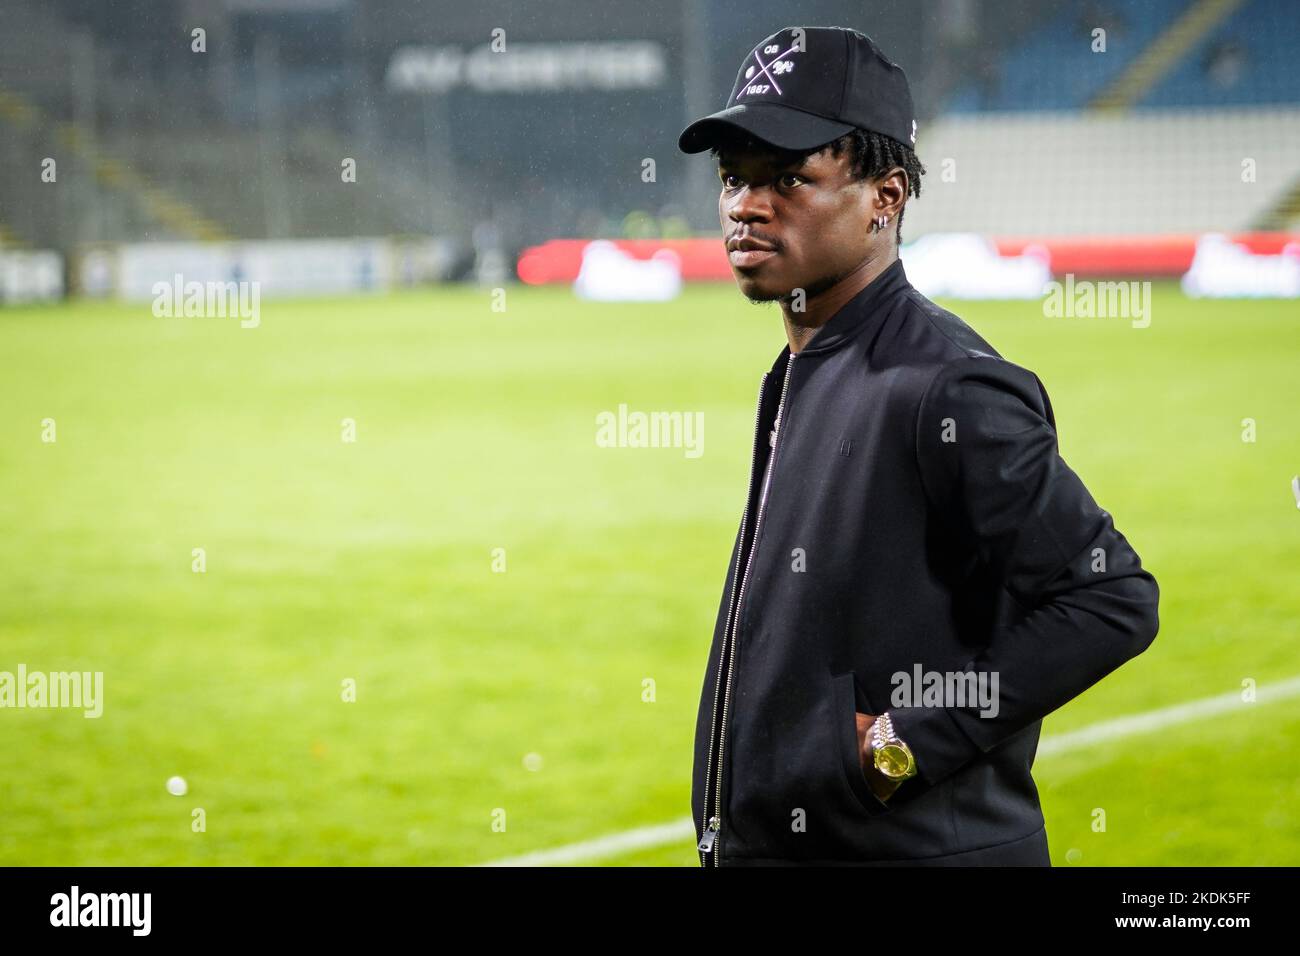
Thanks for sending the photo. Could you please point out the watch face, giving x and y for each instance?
(893, 761)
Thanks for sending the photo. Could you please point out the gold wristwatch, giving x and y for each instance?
(892, 757)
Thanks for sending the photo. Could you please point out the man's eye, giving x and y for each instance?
(730, 180)
(790, 180)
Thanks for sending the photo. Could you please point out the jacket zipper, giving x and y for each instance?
(711, 826)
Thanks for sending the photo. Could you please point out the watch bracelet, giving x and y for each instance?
(883, 731)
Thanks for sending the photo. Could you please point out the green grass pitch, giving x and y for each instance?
(523, 691)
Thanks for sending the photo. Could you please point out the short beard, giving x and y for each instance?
(809, 293)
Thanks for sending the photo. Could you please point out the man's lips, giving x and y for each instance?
(746, 258)
(746, 252)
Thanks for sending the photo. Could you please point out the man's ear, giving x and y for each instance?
(891, 193)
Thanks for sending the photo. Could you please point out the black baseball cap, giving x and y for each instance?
(804, 86)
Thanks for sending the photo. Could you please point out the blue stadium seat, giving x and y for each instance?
(1054, 68)
(1254, 50)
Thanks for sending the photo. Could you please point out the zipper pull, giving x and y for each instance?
(710, 835)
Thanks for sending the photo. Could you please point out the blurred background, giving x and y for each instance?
(458, 234)
(473, 153)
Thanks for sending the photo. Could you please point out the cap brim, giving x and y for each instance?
(781, 126)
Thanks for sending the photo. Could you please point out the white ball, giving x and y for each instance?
(176, 786)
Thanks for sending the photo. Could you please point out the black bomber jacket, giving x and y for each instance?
(917, 518)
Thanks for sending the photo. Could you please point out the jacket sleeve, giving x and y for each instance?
(989, 463)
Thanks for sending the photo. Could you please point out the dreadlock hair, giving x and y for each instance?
(871, 155)
(874, 154)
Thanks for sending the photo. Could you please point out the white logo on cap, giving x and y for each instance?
(778, 66)
(913, 132)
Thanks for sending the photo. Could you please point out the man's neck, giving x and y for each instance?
(819, 309)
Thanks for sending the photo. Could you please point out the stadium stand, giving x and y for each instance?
(1153, 136)
(1137, 172)
(1019, 80)
(1248, 61)
(1189, 122)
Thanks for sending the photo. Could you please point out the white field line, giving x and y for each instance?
(1108, 730)
(683, 829)
(679, 831)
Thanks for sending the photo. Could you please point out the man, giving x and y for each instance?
(918, 577)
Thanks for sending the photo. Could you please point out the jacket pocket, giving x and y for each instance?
(844, 701)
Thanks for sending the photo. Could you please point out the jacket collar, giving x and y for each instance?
(858, 312)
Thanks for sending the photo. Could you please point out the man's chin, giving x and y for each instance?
(758, 293)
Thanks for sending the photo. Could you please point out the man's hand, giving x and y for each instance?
(881, 786)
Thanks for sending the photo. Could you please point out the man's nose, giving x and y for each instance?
(750, 203)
